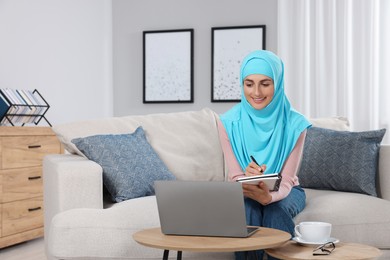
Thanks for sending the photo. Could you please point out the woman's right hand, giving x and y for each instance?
(254, 169)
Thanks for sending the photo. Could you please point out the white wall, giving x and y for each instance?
(131, 18)
(63, 48)
(85, 56)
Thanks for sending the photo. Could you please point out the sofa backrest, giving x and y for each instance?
(334, 123)
(383, 179)
(187, 142)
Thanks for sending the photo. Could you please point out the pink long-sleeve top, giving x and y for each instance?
(289, 170)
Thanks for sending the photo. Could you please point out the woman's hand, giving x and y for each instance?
(259, 193)
(254, 169)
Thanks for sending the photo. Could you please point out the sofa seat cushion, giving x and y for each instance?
(355, 217)
(108, 232)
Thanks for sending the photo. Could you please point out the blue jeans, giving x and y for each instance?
(278, 215)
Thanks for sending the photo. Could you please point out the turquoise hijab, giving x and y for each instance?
(269, 134)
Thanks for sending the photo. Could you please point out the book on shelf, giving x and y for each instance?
(31, 109)
(4, 106)
(8, 104)
(20, 107)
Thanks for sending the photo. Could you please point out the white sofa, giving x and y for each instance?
(81, 224)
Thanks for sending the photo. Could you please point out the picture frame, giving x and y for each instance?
(229, 45)
(168, 61)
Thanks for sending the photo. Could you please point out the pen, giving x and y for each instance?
(254, 160)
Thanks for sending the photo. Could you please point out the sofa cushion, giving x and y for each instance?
(187, 142)
(355, 217)
(335, 123)
(341, 160)
(108, 233)
(130, 165)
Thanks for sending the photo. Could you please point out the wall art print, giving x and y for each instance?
(229, 46)
(168, 66)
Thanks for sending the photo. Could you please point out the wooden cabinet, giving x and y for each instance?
(21, 191)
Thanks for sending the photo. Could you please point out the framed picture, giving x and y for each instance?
(168, 66)
(229, 45)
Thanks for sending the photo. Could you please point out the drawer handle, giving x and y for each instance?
(34, 146)
(34, 178)
(34, 209)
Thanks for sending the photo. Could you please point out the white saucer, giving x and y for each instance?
(307, 243)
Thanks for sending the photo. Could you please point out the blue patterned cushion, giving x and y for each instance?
(341, 160)
(130, 165)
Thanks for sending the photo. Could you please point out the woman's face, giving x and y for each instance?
(258, 90)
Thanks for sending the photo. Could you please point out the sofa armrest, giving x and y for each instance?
(384, 172)
(70, 181)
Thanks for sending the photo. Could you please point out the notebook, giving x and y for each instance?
(271, 180)
(202, 208)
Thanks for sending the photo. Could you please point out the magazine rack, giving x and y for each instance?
(20, 107)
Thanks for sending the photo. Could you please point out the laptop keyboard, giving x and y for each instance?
(251, 229)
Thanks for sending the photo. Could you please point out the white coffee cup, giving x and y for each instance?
(313, 231)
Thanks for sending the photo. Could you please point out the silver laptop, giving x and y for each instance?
(202, 208)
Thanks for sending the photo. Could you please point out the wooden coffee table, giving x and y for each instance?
(263, 238)
(293, 251)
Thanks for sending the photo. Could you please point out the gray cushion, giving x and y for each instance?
(130, 165)
(341, 160)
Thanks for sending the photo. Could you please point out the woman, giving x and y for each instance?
(264, 125)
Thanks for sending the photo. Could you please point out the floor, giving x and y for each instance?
(31, 250)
